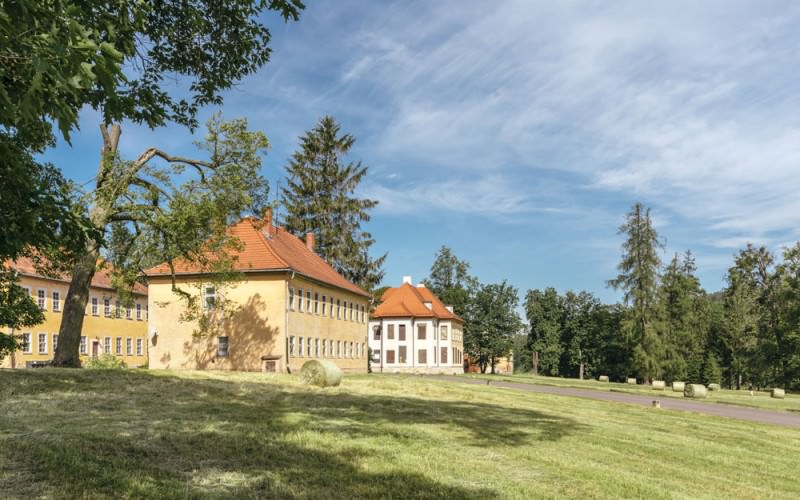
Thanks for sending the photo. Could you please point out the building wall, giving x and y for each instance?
(386, 346)
(341, 338)
(254, 331)
(97, 327)
(259, 329)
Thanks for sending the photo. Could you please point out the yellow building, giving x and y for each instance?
(289, 306)
(109, 326)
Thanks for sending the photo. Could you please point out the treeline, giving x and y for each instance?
(668, 327)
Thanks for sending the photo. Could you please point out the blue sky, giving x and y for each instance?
(520, 133)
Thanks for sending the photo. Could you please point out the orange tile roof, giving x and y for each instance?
(409, 301)
(101, 278)
(269, 248)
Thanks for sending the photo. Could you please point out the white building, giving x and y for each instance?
(413, 331)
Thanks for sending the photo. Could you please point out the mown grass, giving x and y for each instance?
(759, 399)
(149, 434)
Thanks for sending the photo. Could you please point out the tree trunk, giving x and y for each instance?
(580, 371)
(69, 333)
(535, 362)
(493, 361)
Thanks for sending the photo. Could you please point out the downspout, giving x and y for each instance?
(286, 321)
(414, 360)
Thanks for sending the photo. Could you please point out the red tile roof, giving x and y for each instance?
(409, 301)
(269, 248)
(101, 279)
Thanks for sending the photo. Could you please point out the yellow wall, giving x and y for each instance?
(258, 329)
(312, 324)
(95, 328)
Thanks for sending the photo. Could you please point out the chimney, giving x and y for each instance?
(420, 285)
(310, 240)
(406, 279)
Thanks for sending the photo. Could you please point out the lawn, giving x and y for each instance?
(759, 399)
(151, 434)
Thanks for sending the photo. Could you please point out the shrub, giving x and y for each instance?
(105, 362)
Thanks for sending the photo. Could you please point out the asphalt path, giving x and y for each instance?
(785, 419)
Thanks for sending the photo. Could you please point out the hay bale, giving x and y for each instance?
(632, 381)
(678, 386)
(320, 373)
(658, 384)
(603, 378)
(777, 393)
(714, 387)
(695, 391)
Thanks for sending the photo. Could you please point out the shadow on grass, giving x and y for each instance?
(127, 433)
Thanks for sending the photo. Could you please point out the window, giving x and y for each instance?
(107, 345)
(324, 350)
(421, 333)
(324, 304)
(222, 347)
(42, 344)
(309, 346)
(390, 332)
(118, 309)
(128, 314)
(129, 346)
(95, 309)
(331, 306)
(300, 345)
(316, 302)
(377, 333)
(300, 299)
(362, 314)
(401, 354)
(139, 347)
(338, 348)
(26, 343)
(56, 301)
(443, 331)
(350, 351)
(291, 298)
(351, 311)
(358, 350)
(376, 356)
(41, 299)
(389, 357)
(422, 356)
(338, 309)
(146, 312)
(308, 300)
(138, 312)
(401, 333)
(209, 298)
(55, 342)
(291, 345)
(330, 352)
(316, 347)
(119, 346)
(107, 308)
(27, 290)
(443, 360)
(344, 310)
(83, 345)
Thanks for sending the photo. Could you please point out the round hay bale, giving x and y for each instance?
(695, 391)
(678, 386)
(714, 387)
(320, 373)
(659, 385)
(603, 378)
(777, 393)
(632, 381)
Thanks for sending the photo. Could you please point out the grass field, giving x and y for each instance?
(150, 434)
(759, 399)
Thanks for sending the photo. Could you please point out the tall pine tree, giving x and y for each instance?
(638, 279)
(320, 198)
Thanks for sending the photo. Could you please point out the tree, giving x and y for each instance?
(545, 315)
(789, 272)
(579, 333)
(638, 279)
(155, 219)
(493, 324)
(450, 281)
(319, 198)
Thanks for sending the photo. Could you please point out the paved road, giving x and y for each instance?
(752, 414)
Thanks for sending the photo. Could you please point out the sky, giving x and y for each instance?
(519, 134)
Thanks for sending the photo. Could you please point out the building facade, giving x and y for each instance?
(109, 326)
(413, 331)
(287, 307)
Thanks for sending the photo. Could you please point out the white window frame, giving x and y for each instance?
(139, 347)
(291, 345)
(300, 300)
(106, 307)
(27, 343)
(308, 300)
(209, 292)
(227, 342)
(291, 298)
(324, 348)
(316, 347)
(95, 307)
(55, 342)
(117, 309)
(118, 346)
(41, 298)
(300, 346)
(107, 345)
(56, 301)
(129, 346)
(138, 311)
(40, 345)
(83, 345)
(332, 306)
(324, 311)
(128, 313)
